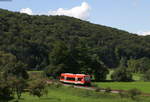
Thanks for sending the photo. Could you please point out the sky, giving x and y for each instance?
(130, 15)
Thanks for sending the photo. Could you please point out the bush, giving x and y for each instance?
(123, 94)
(97, 89)
(121, 74)
(38, 88)
(146, 76)
(108, 90)
(58, 84)
(6, 92)
(11, 86)
(133, 93)
(33, 75)
(94, 85)
(18, 84)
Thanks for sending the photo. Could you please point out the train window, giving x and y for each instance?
(79, 79)
(87, 78)
(62, 77)
(69, 78)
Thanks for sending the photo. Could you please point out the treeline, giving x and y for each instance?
(65, 44)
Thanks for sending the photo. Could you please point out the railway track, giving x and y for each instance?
(91, 88)
(100, 90)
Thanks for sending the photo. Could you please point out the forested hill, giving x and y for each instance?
(40, 41)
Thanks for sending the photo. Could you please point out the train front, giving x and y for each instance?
(87, 80)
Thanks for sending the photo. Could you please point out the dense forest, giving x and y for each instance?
(66, 44)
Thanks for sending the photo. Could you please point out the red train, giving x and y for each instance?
(81, 79)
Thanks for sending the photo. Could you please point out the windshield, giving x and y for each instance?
(87, 78)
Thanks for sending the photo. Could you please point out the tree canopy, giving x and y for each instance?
(67, 44)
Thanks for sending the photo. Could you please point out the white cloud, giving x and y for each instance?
(26, 10)
(81, 12)
(144, 33)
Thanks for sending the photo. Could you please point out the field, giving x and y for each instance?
(69, 94)
(142, 86)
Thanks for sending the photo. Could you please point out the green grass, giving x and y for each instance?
(143, 86)
(65, 94)
(68, 94)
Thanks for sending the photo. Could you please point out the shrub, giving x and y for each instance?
(58, 84)
(94, 85)
(121, 74)
(38, 88)
(133, 93)
(97, 89)
(123, 94)
(146, 76)
(18, 84)
(11, 86)
(6, 92)
(108, 90)
(33, 75)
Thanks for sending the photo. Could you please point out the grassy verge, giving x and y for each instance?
(69, 94)
(143, 86)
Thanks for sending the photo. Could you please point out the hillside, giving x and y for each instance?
(32, 39)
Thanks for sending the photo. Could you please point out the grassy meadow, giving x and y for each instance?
(142, 86)
(138, 83)
(69, 94)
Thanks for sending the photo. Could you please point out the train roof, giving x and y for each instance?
(71, 74)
